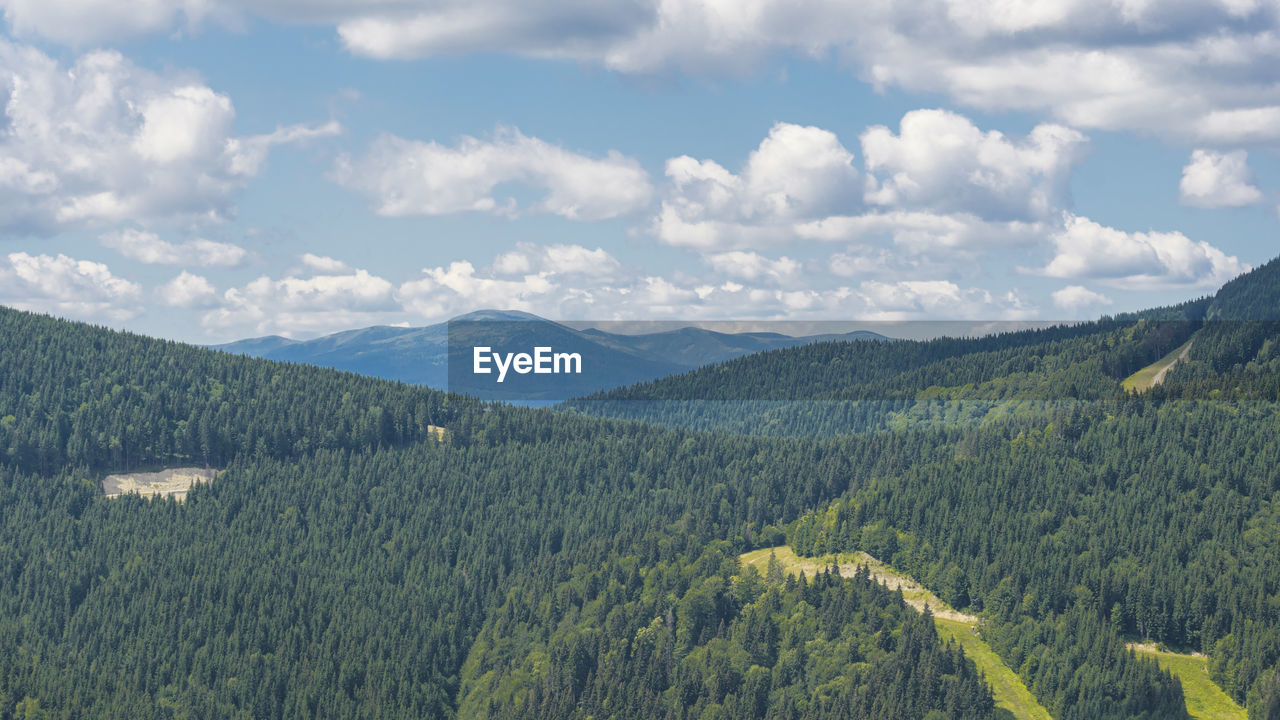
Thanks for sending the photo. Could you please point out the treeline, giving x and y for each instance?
(75, 395)
(829, 389)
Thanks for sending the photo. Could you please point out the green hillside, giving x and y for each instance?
(352, 560)
(837, 388)
(1007, 690)
(347, 560)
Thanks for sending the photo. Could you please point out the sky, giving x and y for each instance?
(209, 170)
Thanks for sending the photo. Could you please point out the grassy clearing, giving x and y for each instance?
(1205, 700)
(1154, 373)
(1006, 686)
(1009, 691)
(173, 482)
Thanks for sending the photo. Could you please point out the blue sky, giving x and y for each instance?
(208, 170)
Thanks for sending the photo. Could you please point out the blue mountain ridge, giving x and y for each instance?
(419, 355)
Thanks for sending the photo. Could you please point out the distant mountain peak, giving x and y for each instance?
(418, 355)
(490, 314)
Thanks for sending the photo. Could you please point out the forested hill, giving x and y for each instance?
(831, 389)
(1254, 296)
(348, 560)
(1080, 361)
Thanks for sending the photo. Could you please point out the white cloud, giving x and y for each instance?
(65, 286)
(940, 186)
(441, 292)
(296, 305)
(556, 259)
(188, 291)
(246, 155)
(753, 266)
(797, 174)
(929, 298)
(942, 162)
(564, 29)
(323, 263)
(104, 141)
(147, 247)
(741, 283)
(321, 292)
(924, 232)
(408, 177)
(1077, 297)
(868, 262)
(1088, 250)
(1218, 180)
(1197, 70)
(82, 22)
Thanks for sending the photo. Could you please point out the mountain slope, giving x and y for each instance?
(541, 564)
(347, 560)
(836, 388)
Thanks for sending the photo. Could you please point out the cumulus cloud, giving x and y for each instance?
(294, 305)
(740, 282)
(64, 286)
(754, 266)
(567, 28)
(147, 247)
(797, 174)
(1088, 250)
(323, 263)
(1077, 297)
(101, 20)
(103, 141)
(556, 259)
(924, 232)
(1197, 70)
(939, 186)
(187, 291)
(940, 161)
(933, 298)
(443, 291)
(1218, 180)
(409, 177)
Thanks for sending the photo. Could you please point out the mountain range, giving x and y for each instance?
(420, 355)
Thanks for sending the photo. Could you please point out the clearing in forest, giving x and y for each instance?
(174, 482)
(1153, 374)
(1205, 700)
(1008, 689)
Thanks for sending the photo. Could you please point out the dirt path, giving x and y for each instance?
(1159, 378)
(1153, 374)
(912, 592)
(1006, 687)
